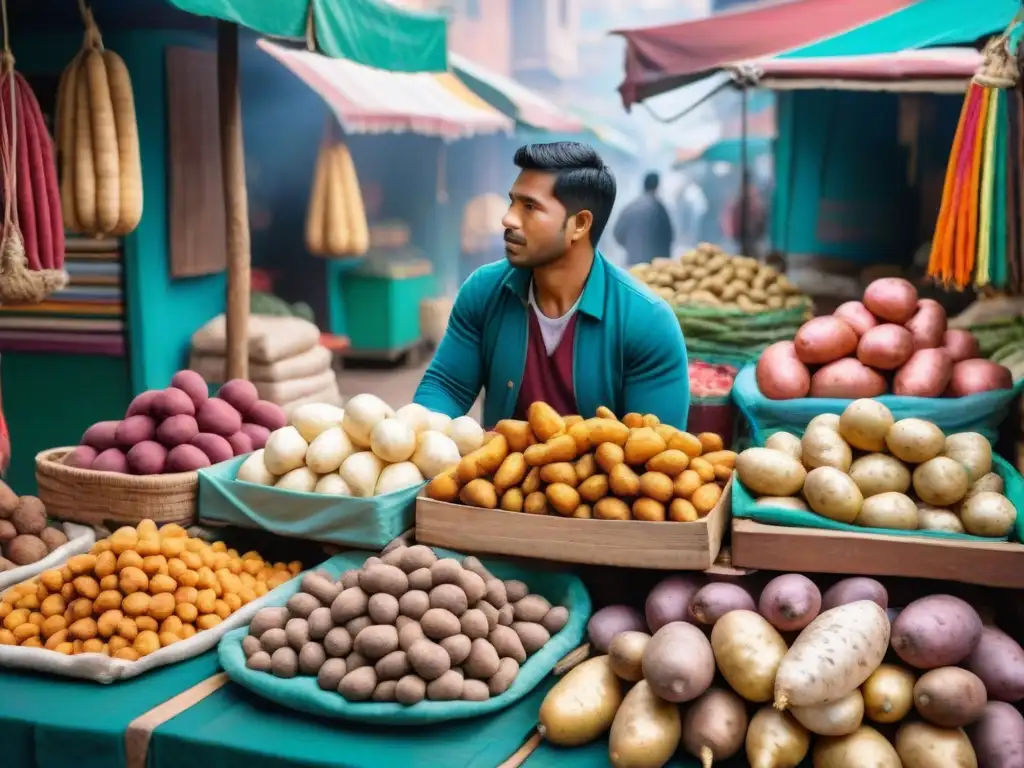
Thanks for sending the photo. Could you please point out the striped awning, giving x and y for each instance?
(527, 107)
(367, 100)
(933, 70)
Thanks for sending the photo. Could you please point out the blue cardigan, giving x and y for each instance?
(628, 354)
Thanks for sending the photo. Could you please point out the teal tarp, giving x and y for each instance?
(926, 24)
(370, 32)
(731, 150)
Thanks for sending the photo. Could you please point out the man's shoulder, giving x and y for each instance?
(484, 280)
(638, 303)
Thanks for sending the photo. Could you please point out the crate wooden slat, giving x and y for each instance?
(623, 543)
(810, 550)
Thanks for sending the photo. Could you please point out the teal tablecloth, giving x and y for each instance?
(55, 722)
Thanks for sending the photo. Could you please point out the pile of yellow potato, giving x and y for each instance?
(605, 468)
(709, 276)
(140, 590)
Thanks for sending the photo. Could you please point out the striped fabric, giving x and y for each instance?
(367, 100)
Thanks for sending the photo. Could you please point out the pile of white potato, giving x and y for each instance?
(365, 449)
(909, 476)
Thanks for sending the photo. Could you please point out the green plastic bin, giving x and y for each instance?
(382, 314)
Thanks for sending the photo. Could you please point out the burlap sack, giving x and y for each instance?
(270, 338)
(308, 363)
(329, 396)
(282, 392)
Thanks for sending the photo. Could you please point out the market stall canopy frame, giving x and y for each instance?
(369, 32)
(369, 100)
(659, 59)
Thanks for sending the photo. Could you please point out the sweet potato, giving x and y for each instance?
(848, 378)
(885, 347)
(780, 374)
(936, 631)
(824, 339)
(891, 298)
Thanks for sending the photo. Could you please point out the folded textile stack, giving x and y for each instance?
(287, 363)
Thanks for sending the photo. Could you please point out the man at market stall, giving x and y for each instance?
(555, 321)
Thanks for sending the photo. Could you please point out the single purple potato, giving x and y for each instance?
(610, 621)
(790, 602)
(218, 417)
(177, 430)
(173, 402)
(135, 429)
(257, 435)
(101, 435)
(713, 601)
(111, 460)
(82, 457)
(936, 631)
(240, 394)
(853, 589)
(186, 458)
(142, 405)
(240, 443)
(216, 448)
(669, 601)
(266, 414)
(147, 458)
(193, 385)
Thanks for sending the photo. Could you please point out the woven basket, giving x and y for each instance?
(111, 499)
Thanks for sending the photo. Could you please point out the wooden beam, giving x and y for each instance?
(236, 203)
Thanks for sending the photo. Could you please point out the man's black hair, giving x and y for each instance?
(651, 182)
(582, 180)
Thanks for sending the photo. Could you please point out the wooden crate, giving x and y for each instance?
(625, 543)
(814, 550)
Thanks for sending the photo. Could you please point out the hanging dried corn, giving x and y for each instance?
(336, 219)
(32, 246)
(972, 242)
(98, 140)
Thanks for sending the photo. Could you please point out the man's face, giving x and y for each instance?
(537, 230)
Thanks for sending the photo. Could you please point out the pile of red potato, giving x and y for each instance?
(889, 342)
(180, 429)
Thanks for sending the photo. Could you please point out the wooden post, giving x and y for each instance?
(236, 203)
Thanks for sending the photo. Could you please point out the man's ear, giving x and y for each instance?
(582, 222)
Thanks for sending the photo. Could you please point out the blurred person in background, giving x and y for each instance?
(757, 219)
(644, 229)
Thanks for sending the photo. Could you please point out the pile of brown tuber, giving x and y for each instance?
(405, 627)
(25, 535)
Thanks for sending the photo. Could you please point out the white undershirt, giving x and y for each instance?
(551, 329)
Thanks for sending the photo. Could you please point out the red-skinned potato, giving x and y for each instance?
(101, 435)
(780, 374)
(185, 458)
(82, 457)
(257, 435)
(216, 447)
(240, 394)
(891, 298)
(969, 377)
(886, 347)
(998, 737)
(111, 460)
(960, 345)
(177, 430)
(848, 378)
(135, 429)
(147, 458)
(173, 402)
(928, 325)
(142, 405)
(266, 414)
(240, 443)
(925, 374)
(193, 385)
(857, 316)
(218, 417)
(824, 339)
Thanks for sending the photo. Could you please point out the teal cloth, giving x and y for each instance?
(53, 722)
(302, 693)
(370, 32)
(346, 521)
(234, 728)
(629, 353)
(976, 413)
(744, 506)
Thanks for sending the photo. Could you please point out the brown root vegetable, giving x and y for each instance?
(888, 693)
(790, 602)
(780, 374)
(936, 631)
(864, 424)
(713, 601)
(876, 473)
(864, 747)
(847, 378)
(669, 601)
(748, 651)
(609, 622)
(915, 441)
(836, 718)
(998, 737)
(824, 339)
(891, 298)
(960, 345)
(928, 325)
(646, 729)
(969, 377)
(923, 745)
(824, 447)
(776, 740)
(940, 482)
(857, 316)
(678, 662)
(926, 374)
(998, 660)
(885, 347)
(626, 655)
(715, 725)
(950, 697)
(582, 705)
